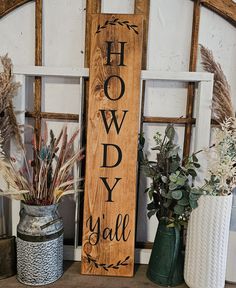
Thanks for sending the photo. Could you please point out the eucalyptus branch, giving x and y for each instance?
(173, 197)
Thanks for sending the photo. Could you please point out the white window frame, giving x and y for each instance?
(204, 83)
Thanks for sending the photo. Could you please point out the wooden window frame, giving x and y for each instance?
(226, 9)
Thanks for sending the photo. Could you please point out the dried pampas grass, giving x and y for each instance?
(222, 107)
(54, 172)
(8, 89)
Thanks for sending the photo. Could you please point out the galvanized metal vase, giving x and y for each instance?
(39, 245)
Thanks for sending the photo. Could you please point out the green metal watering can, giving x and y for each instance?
(167, 258)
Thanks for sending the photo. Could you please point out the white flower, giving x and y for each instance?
(222, 159)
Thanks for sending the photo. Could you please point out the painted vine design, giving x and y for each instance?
(106, 267)
(115, 21)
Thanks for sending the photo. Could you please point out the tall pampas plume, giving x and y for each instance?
(8, 88)
(222, 106)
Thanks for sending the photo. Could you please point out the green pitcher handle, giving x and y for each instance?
(175, 255)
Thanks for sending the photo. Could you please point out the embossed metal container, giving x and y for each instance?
(39, 245)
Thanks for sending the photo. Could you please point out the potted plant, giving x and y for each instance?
(208, 229)
(172, 197)
(222, 109)
(40, 184)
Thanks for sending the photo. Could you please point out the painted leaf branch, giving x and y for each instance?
(106, 267)
(116, 21)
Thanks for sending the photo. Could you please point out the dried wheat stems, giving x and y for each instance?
(222, 107)
(8, 89)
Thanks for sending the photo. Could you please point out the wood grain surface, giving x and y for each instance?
(92, 7)
(225, 8)
(6, 6)
(191, 86)
(111, 151)
(38, 62)
(143, 8)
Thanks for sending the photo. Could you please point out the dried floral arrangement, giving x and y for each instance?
(8, 89)
(44, 180)
(8, 124)
(222, 107)
(221, 177)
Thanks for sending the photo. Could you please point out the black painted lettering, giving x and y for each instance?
(122, 87)
(109, 189)
(113, 120)
(118, 224)
(121, 53)
(125, 224)
(95, 229)
(118, 232)
(107, 233)
(105, 150)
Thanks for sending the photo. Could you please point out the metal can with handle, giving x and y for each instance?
(39, 245)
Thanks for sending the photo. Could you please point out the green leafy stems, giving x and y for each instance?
(171, 192)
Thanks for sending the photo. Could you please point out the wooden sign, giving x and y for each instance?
(111, 152)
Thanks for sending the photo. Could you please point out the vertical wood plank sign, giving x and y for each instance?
(111, 150)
